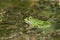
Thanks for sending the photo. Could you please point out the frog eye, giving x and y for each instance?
(30, 17)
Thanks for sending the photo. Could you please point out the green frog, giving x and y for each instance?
(36, 23)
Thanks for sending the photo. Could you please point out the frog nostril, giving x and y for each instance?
(27, 19)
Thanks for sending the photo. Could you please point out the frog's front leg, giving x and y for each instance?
(32, 27)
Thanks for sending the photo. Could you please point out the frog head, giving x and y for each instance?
(27, 20)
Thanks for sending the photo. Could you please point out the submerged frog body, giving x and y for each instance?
(33, 22)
